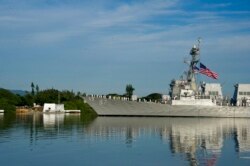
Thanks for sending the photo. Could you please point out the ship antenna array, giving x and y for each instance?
(199, 41)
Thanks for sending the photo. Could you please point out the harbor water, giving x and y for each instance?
(61, 139)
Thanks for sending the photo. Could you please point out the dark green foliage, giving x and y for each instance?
(6, 105)
(129, 90)
(8, 100)
(47, 96)
(88, 112)
(37, 88)
(32, 89)
(28, 100)
(74, 105)
(153, 97)
(12, 98)
(67, 96)
(78, 104)
(22, 101)
(114, 95)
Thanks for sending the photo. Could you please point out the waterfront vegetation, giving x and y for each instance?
(153, 97)
(129, 90)
(9, 101)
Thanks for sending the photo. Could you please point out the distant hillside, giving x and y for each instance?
(19, 92)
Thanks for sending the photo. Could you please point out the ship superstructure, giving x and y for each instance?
(241, 95)
(186, 91)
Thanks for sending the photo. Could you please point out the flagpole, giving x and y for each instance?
(198, 75)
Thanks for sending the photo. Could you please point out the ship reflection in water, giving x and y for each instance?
(200, 141)
(188, 141)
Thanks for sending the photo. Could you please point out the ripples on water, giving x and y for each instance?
(49, 139)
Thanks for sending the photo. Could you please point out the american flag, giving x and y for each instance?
(206, 71)
(196, 69)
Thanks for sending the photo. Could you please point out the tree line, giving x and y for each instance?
(9, 101)
(129, 91)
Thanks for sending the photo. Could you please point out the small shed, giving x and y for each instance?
(52, 107)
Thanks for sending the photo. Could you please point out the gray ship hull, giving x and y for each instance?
(110, 107)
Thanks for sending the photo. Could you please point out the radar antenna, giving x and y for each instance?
(195, 54)
(199, 41)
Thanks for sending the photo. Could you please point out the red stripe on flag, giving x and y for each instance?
(209, 73)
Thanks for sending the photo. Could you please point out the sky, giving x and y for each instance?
(100, 46)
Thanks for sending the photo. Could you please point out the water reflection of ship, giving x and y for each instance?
(201, 145)
(242, 135)
(200, 141)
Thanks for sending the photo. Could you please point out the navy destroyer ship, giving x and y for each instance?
(187, 98)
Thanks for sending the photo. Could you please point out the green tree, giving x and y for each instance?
(28, 100)
(153, 97)
(52, 96)
(129, 90)
(67, 95)
(47, 96)
(32, 88)
(37, 88)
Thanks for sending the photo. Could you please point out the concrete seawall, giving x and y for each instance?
(110, 107)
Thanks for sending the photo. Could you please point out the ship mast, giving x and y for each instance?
(195, 53)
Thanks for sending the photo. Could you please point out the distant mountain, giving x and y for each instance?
(19, 92)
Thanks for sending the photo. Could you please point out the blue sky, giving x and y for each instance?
(99, 46)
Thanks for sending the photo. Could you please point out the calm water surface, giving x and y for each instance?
(48, 139)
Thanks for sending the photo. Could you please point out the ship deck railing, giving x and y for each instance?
(202, 97)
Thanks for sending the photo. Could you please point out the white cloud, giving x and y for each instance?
(123, 24)
(217, 5)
